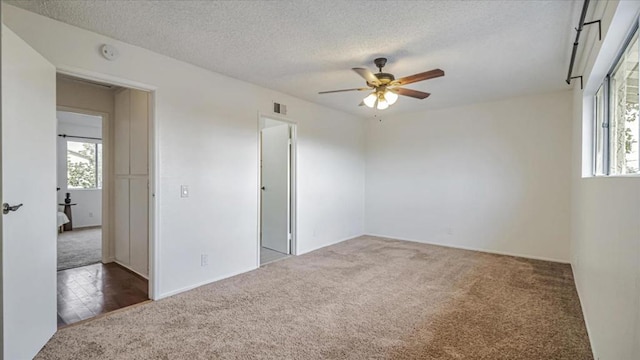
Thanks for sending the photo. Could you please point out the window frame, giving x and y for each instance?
(98, 158)
(606, 121)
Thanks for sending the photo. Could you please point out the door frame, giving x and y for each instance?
(106, 176)
(293, 170)
(154, 177)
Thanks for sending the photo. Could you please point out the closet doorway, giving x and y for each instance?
(277, 190)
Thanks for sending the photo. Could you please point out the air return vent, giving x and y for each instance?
(279, 108)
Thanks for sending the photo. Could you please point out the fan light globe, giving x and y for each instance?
(382, 104)
(370, 100)
(391, 97)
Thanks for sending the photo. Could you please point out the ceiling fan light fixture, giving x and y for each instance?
(391, 97)
(386, 88)
(382, 104)
(370, 100)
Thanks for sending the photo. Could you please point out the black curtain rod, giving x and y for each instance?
(78, 137)
(581, 24)
(585, 6)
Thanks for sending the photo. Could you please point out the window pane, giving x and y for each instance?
(99, 165)
(624, 127)
(599, 132)
(83, 165)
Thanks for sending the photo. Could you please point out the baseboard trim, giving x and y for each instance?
(332, 243)
(206, 282)
(584, 313)
(473, 249)
(86, 227)
(130, 269)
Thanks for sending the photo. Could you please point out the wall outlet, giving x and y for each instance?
(204, 260)
(449, 231)
(184, 191)
(90, 214)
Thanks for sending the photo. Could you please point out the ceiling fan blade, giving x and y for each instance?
(367, 75)
(343, 90)
(431, 74)
(411, 93)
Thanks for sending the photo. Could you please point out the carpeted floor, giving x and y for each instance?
(367, 298)
(79, 247)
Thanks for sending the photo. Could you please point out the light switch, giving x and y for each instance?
(184, 191)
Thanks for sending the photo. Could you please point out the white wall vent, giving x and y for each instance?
(279, 108)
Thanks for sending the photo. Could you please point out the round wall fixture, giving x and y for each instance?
(109, 52)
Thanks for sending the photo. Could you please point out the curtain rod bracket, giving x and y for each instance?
(599, 27)
(575, 77)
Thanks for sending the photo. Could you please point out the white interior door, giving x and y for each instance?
(275, 188)
(28, 178)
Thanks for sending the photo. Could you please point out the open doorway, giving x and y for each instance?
(277, 177)
(103, 197)
(79, 172)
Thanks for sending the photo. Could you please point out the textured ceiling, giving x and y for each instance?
(488, 49)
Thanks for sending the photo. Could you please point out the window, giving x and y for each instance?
(84, 165)
(600, 132)
(617, 127)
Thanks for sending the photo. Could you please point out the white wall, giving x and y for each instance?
(490, 176)
(605, 244)
(88, 211)
(207, 138)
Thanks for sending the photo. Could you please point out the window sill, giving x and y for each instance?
(626, 176)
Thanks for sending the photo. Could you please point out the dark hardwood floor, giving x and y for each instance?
(91, 290)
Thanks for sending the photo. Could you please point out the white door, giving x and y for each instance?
(28, 178)
(275, 188)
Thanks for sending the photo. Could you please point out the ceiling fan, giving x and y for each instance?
(386, 87)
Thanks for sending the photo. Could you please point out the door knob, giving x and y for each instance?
(263, 188)
(6, 208)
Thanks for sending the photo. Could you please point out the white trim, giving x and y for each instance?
(154, 171)
(106, 175)
(543, 258)
(335, 242)
(293, 183)
(207, 282)
(153, 265)
(275, 117)
(103, 78)
(584, 314)
(130, 269)
(613, 176)
(191, 287)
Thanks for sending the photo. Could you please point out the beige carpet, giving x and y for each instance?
(79, 247)
(367, 298)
